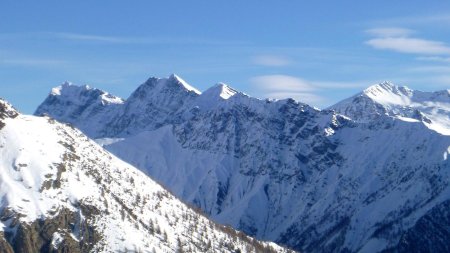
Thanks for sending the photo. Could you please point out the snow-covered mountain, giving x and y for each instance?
(283, 171)
(62, 192)
(431, 108)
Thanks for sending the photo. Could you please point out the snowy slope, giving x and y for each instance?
(286, 172)
(61, 192)
(431, 108)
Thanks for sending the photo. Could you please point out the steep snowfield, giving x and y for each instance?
(373, 180)
(48, 169)
(432, 108)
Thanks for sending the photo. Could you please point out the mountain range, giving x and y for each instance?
(369, 174)
(62, 192)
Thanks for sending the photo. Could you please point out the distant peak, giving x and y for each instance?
(174, 77)
(70, 91)
(385, 88)
(221, 90)
(57, 90)
(173, 80)
(68, 87)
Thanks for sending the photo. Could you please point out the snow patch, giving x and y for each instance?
(57, 239)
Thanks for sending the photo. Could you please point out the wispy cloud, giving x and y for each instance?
(398, 40)
(94, 38)
(436, 81)
(283, 83)
(306, 91)
(340, 85)
(434, 58)
(443, 79)
(390, 32)
(284, 86)
(431, 69)
(434, 19)
(32, 62)
(271, 60)
(143, 40)
(106, 39)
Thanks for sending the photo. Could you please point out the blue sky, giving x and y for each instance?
(317, 52)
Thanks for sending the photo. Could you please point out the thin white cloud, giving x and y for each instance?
(390, 32)
(427, 82)
(100, 38)
(94, 38)
(431, 69)
(306, 91)
(410, 45)
(437, 19)
(271, 60)
(283, 83)
(443, 79)
(340, 85)
(284, 86)
(440, 19)
(32, 62)
(434, 58)
(142, 40)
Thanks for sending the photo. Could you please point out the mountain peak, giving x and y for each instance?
(82, 93)
(220, 90)
(388, 87)
(68, 88)
(388, 91)
(168, 87)
(384, 86)
(68, 101)
(171, 84)
(174, 77)
(432, 108)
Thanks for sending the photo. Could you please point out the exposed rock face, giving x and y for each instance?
(312, 179)
(65, 232)
(6, 111)
(5, 246)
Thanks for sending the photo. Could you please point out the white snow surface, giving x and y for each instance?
(33, 148)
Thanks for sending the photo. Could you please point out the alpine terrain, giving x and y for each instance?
(370, 174)
(62, 192)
